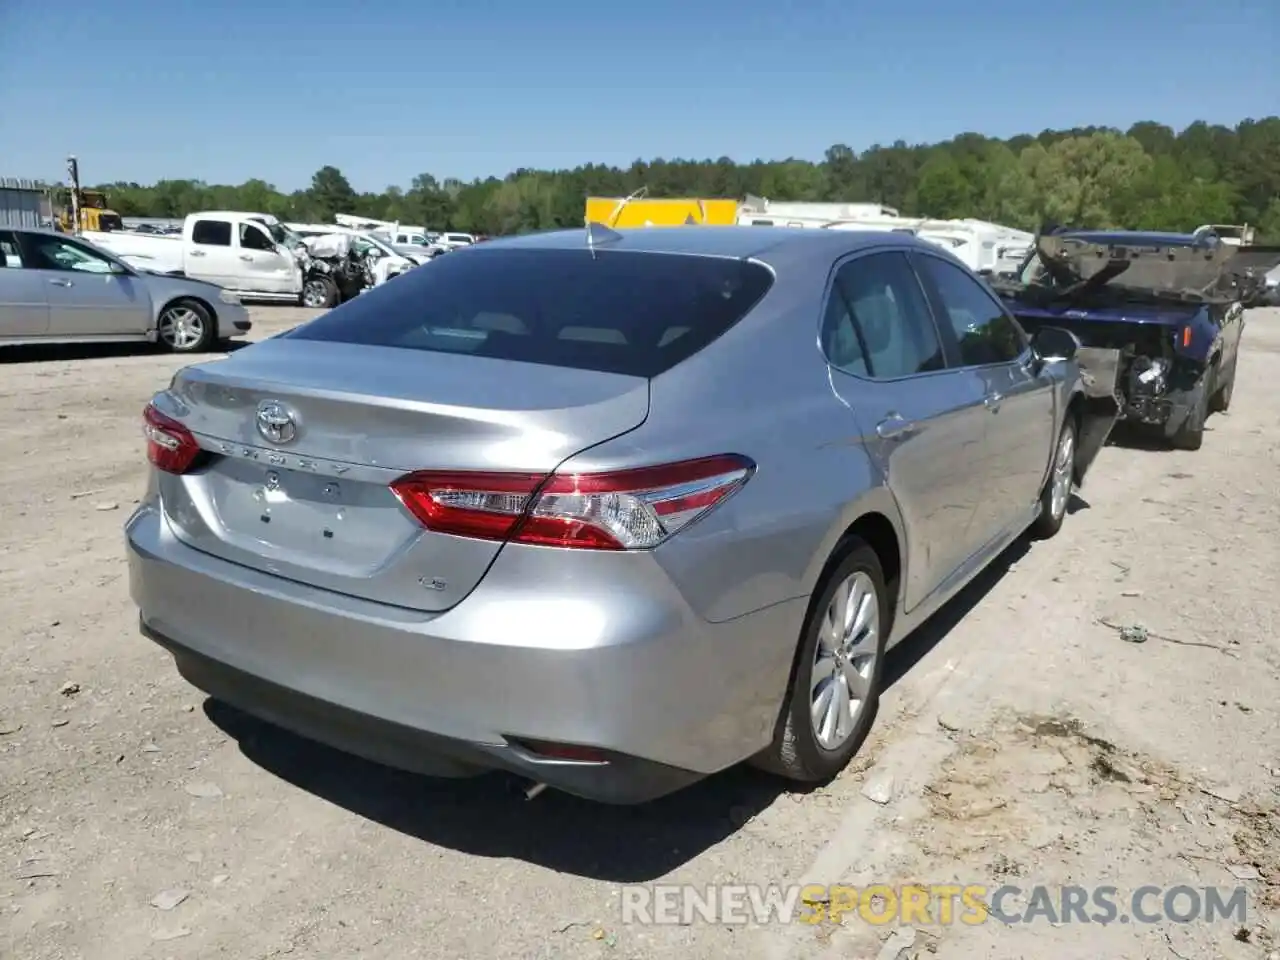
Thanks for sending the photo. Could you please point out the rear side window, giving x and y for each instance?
(878, 322)
(617, 311)
(213, 233)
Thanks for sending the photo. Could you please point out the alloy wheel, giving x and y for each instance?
(181, 328)
(1062, 470)
(844, 660)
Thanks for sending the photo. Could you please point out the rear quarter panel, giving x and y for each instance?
(761, 390)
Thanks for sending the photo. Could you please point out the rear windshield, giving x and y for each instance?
(617, 312)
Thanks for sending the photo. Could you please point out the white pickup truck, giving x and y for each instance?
(252, 254)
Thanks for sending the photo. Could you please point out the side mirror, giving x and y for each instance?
(1055, 343)
(120, 270)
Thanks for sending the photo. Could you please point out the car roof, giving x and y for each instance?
(740, 242)
(43, 231)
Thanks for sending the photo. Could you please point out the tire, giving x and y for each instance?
(318, 293)
(797, 752)
(1221, 400)
(1054, 497)
(186, 326)
(1190, 436)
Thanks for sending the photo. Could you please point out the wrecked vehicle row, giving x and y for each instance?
(1161, 313)
(256, 257)
(338, 268)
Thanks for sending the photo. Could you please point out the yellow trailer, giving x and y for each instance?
(650, 212)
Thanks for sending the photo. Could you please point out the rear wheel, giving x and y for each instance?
(185, 326)
(835, 682)
(1057, 488)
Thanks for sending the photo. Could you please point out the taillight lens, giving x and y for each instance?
(170, 445)
(621, 510)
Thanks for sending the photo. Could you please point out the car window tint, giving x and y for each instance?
(883, 327)
(840, 339)
(253, 238)
(611, 311)
(53, 253)
(212, 233)
(985, 333)
(10, 255)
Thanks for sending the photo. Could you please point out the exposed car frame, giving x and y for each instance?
(1163, 313)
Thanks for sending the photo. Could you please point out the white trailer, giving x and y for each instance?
(983, 246)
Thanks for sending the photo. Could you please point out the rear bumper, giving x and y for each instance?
(233, 320)
(624, 780)
(667, 696)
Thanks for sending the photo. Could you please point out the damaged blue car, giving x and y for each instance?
(1159, 314)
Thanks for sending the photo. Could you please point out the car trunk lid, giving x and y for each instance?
(1177, 271)
(1201, 272)
(302, 439)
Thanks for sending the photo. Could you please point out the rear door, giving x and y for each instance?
(86, 297)
(24, 309)
(924, 423)
(1021, 421)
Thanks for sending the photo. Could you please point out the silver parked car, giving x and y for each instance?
(60, 289)
(612, 512)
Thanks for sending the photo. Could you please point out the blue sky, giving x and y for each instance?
(224, 90)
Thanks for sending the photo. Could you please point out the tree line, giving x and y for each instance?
(1149, 176)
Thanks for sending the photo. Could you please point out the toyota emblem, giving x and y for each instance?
(276, 422)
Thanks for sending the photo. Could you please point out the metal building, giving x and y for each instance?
(24, 203)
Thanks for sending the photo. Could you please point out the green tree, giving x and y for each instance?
(331, 193)
(943, 190)
(1269, 222)
(1149, 176)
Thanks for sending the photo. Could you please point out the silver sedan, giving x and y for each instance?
(56, 288)
(611, 510)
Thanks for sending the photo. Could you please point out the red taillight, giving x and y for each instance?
(622, 510)
(543, 749)
(170, 445)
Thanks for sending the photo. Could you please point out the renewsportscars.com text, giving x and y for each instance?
(930, 905)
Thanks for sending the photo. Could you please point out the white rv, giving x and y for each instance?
(983, 246)
(759, 212)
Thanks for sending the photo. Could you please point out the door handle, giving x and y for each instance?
(894, 427)
(62, 283)
(195, 253)
(993, 401)
(246, 257)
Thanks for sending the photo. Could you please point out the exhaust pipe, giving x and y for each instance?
(533, 790)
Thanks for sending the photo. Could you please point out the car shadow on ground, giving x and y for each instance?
(63, 352)
(1129, 436)
(489, 816)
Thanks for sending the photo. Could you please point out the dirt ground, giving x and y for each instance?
(1025, 740)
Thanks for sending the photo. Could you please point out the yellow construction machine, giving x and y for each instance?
(77, 209)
